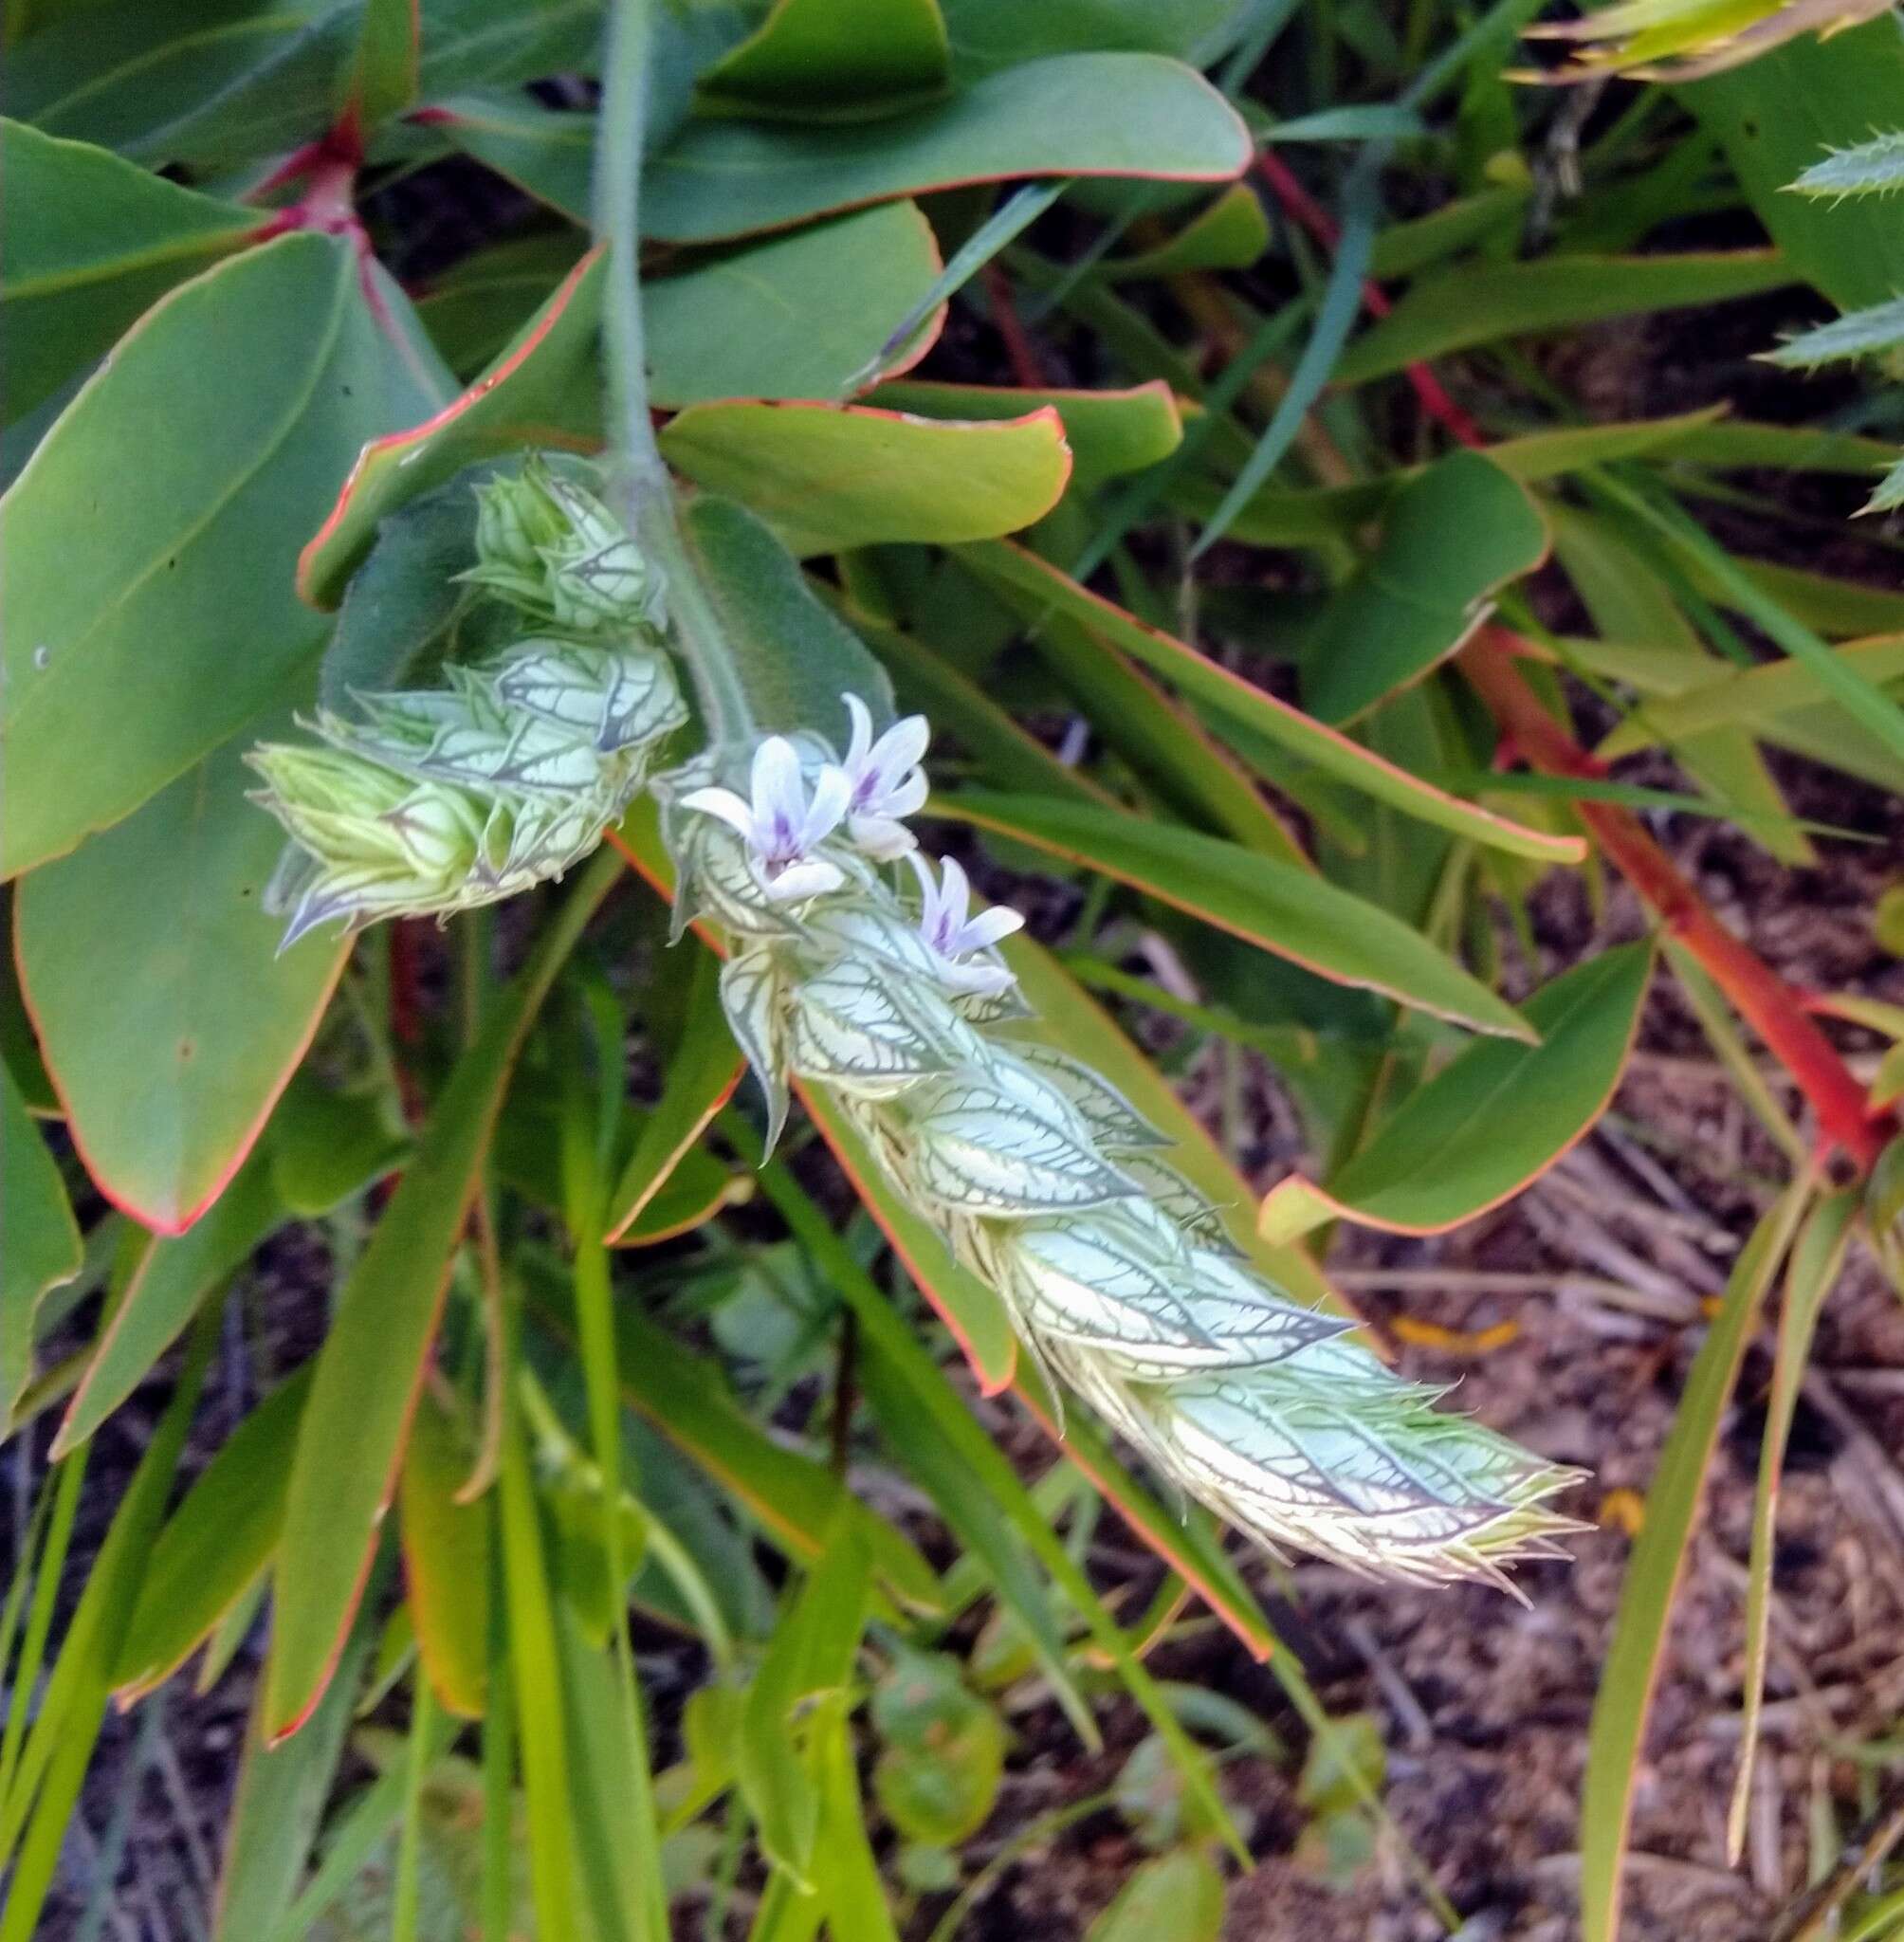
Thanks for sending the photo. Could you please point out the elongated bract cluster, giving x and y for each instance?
(433, 800)
(1119, 1274)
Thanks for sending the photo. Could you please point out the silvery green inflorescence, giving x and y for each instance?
(854, 963)
(435, 800)
(1118, 1274)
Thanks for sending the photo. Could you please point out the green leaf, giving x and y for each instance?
(1754, 698)
(44, 1788)
(794, 659)
(1273, 906)
(327, 1147)
(114, 73)
(797, 315)
(374, 1357)
(1230, 234)
(1816, 1260)
(1478, 304)
(701, 1075)
(475, 307)
(1778, 115)
(1494, 1119)
(1046, 118)
(169, 1281)
(1451, 539)
(445, 1561)
(1110, 432)
(540, 391)
(151, 611)
(42, 1250)
(1203, 680)
(1616, 1735)
(168, 1078)
(810, 59)
(1178, 1894)
(280, 1796)
(988, 35)
(833, 476)
(547, 152)
(215, 1545)
(795, 1498)
(87, 243)
(384, 76)
(811, 1655)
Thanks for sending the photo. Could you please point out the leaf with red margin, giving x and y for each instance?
(1203, 680)
(1110, 432)
(1491, 1121)
(1273, 905)
(1092, 114)
(541, 392)
(703, 1072)
(719, 329)
(147, 545)
(371, 1368)
(830, 477)
(169, 1021)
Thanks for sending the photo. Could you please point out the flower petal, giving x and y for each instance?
(723, 803)
(780, 790)
(799, 881)
(881, 838)
(833, 792)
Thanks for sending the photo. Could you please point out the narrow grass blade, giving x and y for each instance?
(1616, 1740)
(1816, 1260)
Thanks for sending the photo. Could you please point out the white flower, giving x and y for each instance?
(784, 825)
(886, 780)
(953, 935)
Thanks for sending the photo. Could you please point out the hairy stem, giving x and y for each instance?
(641, 481)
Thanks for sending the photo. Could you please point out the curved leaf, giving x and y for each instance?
(540, 391)
(1479, 303)
(1494, 1119)
(1203, 680)
(833, 476)
(371, 1365)
(702, 1075)
(88, 242)
(150, 610)
(1273, 906)
(168, 1077)
(1451, 539)
(171, 1279)
(797, 315)
(213, 1545)
(445, 1562)
(1109, 431)
(1045, 117)
(42, 1240)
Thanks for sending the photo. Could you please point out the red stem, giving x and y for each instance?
(1023, 354)
(1761, 996)
(1429, 390)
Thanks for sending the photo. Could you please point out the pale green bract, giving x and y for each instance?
(434, 800)
(1044, 1180)
(881, 983)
